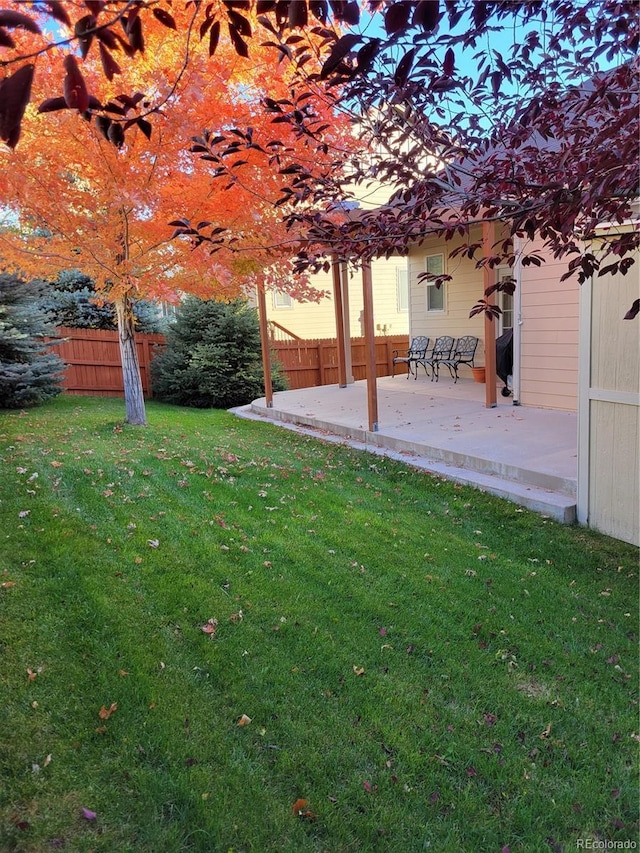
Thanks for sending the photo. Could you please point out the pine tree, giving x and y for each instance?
(73, 301)
(213, 356)
(28, 373)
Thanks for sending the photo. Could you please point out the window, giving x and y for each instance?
(282, 300)
(434, 264)
(505, 301)
(402, 289)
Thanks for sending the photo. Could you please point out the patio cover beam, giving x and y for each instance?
(338, 300)
(370, 347)
(488, 241)
(264, 341)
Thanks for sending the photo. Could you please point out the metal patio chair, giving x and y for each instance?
(463, 352)
(418, 349)
(441, 351)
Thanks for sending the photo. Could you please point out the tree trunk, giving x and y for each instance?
(133, 395)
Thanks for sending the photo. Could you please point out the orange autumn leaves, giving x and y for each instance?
(83, 203)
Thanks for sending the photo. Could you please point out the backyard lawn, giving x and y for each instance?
(218, 635)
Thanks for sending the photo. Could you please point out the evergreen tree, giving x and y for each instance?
(28, 373)
(72, 301)
(213, 357)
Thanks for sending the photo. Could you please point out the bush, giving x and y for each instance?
(71, 300)
(213, 357)
(28, 374)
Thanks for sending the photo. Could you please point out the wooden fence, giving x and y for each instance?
(93, 361)
(94, 367)
(315, 362)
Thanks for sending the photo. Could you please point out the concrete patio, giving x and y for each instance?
(526, 455)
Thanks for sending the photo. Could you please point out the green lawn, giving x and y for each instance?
(426, 667)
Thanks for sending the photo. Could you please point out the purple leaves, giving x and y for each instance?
(15, 92)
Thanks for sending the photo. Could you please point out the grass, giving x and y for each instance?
(426, 666)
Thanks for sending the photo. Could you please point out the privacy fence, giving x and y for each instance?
(94, 367)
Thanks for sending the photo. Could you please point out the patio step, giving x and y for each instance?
(554, 498)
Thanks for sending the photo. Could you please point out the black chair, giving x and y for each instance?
(418, 349)
(441, 351)
(463, 353)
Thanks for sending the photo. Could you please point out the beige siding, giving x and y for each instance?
(549, 337)
(614, 496)
(317, 320)
(461, 294)
(611, 410)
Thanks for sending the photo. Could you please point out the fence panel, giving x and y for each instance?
(93, 361)
(94, 368)
(315, 362)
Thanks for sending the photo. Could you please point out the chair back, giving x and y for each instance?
(442, 347)
(419, 346)
(465, 348)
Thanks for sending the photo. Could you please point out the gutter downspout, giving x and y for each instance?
(517, 327)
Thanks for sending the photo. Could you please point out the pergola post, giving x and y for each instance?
(488, 241)
(264, 341)
(338, 301)
(370, 347)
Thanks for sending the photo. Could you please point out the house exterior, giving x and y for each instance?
(311, 320)
(543, 312)
(573, 352)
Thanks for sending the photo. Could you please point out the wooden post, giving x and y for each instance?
(370, 347)
(340, 328)
(264, 340)
(488, 240)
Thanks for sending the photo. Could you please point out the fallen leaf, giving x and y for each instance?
(105, 713)
(545, 734)
(358, 670)
(211, 627)
(8, 584)
(244, 720)
(299, 806)
(56, 464)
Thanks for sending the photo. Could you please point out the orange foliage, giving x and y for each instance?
(73, 199)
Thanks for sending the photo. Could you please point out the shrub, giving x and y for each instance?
(28, 374)
(213, 357)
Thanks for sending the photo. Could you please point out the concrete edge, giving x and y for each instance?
(549, 503)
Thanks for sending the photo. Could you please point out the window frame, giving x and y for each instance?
(287, 306)
(402, 290)
(431, 287)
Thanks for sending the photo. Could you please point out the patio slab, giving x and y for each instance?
(524, 454)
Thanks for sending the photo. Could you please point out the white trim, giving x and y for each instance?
(442, 289)
(628, 398)
(282, 294)
(584, 401)
(402, 290)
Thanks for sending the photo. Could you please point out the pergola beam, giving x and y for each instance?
(489, 275)
(370, 347)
